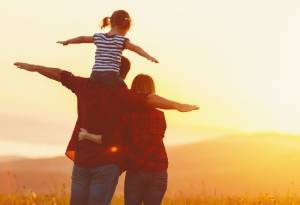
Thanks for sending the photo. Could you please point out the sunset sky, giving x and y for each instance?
(237, 59)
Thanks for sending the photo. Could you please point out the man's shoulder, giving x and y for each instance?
(71, 76)
(72, 82)
(93, 87)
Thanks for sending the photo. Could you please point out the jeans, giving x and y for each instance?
(146, 188)
(111, 78)
(94, 186)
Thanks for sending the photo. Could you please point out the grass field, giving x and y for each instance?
(31, 198)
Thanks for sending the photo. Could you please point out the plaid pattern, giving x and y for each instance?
(145, 130)
(100, 109)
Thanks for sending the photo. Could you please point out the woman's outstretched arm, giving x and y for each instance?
(77, 40)
(52, 73)
(163, 103)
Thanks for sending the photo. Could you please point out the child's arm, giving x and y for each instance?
(84, 135)
(77, 40)
(139, 50)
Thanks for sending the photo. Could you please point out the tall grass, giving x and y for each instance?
(61, 198)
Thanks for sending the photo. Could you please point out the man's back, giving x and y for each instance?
(100, 108)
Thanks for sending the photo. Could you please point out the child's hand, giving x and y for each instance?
(64, 43)
(153, 59)
(82, 134)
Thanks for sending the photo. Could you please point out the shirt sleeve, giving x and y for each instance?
(163, 123)
(72, 146)
(74, 83)
(97, 38)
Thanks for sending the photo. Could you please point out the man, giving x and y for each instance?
(100, 107)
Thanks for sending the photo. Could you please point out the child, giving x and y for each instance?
(110, 46)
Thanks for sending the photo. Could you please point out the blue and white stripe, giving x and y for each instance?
(109, 52)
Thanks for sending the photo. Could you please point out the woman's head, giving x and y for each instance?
(143, 84)
(120, 19)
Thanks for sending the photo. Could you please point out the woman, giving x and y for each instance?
(147, 162)
(145, 157)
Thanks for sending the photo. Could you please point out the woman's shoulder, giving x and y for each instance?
(155, 112)
(160, 112)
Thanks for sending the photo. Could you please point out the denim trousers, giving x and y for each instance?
(94, 186)
(146, 188)
(107, 77)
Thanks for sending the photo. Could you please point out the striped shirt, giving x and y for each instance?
(109, 52)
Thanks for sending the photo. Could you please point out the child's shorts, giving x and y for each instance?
(107, 77)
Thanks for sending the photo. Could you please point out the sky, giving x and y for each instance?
(236, 59)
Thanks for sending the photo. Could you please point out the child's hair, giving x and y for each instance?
(143, 84)
(119, 18)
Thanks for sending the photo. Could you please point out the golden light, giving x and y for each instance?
(114, 149)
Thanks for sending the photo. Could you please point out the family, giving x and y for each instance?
(117, 129)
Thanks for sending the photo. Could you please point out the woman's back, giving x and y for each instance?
(145, 131)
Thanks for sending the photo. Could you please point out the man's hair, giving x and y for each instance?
(124, 67)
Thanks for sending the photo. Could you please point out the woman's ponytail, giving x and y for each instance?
(105, 22)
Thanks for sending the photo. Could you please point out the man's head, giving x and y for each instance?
(124, 67)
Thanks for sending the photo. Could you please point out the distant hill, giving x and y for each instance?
(262, 162)
(9, 158)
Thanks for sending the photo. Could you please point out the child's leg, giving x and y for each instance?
(107, 77)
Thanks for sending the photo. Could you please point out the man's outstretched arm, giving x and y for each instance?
(152, 100)
(163, 103)
(52, 73)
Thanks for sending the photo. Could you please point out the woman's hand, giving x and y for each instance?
(64, 43)
(85, 135)
(186, 107)
(82, 134)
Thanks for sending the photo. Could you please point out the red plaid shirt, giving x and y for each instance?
(145, 131)
(100, 109)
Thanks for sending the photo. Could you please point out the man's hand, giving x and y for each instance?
(52, 73)
(82, 134)
(64, 43)
(26, 66)
(186, 107)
